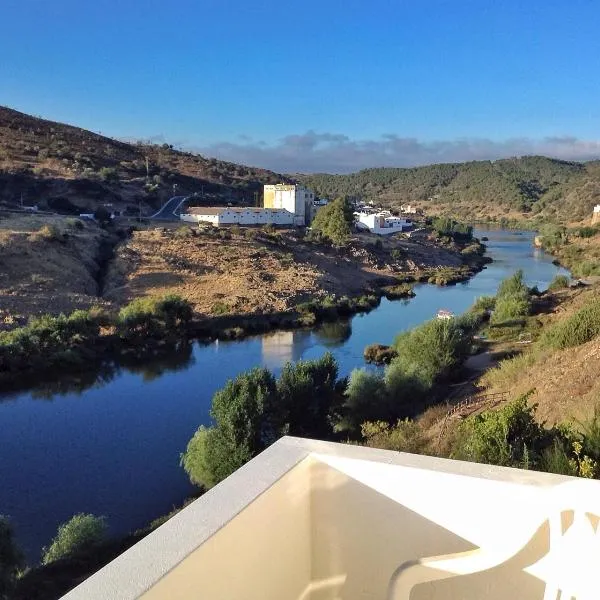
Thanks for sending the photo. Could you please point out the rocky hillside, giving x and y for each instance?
(69, 169)
(513, 188)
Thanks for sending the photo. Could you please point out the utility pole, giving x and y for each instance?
(147, 170)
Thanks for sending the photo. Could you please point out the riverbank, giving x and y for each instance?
(368, 267)
(162, 397)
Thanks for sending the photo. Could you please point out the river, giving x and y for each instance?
(109, 443)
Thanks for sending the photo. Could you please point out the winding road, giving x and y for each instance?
(169, 211)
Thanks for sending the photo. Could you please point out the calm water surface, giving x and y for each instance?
(109, 443)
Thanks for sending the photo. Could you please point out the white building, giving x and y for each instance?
(408, 209)
(596, 215)
(294, 198)
(382, 223)
(223, 215)
(308, 520)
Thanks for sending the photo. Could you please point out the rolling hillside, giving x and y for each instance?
(514, 188)
(69, 169)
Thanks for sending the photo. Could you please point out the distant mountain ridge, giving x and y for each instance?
(65, 167)
(514, 187)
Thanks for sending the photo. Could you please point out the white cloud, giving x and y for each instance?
(337, 153)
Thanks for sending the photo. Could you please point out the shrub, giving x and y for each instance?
(47, 341)
(50, 233)
(365, 399)
(153, 317)
(109, 174)
(433, 348)
(446, 227)
(184, 232)
(513, 302)
(404, 436)
(587, 232)
(74, 223)
(508, 437)
(81, 533)
(484, 303)
(220, 308)
(379, 354)
(397, 254)
(11, 558)
(579, 328)
(558, 283)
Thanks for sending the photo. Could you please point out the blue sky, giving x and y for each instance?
(329, 85)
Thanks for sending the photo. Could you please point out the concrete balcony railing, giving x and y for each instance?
(309, 520)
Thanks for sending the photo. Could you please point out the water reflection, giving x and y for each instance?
(151, 365)
(283, 346)
(332, 335)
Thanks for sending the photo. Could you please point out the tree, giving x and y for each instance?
(246, 421)
(11, 558)
(308, 396)
(102, 215)
(253, 410)
(80, 533)
(366, 399)
(335, 221)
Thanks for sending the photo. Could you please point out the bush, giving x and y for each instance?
(153, 317)
(11, 558)
(184, 232)
(50, 233)
(579, 328)
(508, 437)
(81, 533)
(379, 354)
(587, 232)
(220, 308)
(108, 174)
(446, 227)
(366, 399)
(48, 341)
(513, 302)
(484, 303)
(72, 223)
(558, 283)
(404, 436)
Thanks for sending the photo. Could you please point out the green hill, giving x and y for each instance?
(515, 187)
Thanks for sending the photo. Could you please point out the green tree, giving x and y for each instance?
(247, 419)
(309, 396)
(365, 400)
(11, 559)
(508, 437)
(81, 533)
(335, 221)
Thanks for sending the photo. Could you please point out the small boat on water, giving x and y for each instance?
(444, 314)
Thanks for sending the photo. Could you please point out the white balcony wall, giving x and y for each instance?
(311, 520)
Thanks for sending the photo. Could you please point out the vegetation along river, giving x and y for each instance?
(109, 443)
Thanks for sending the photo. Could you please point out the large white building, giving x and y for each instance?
(228, 215)
(382, 223)
(283, 205)
(294, 198)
